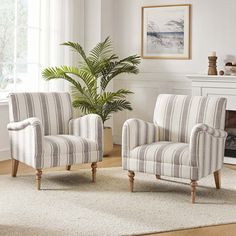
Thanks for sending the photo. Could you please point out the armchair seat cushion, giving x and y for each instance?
(61, 150)
(168, 152)
(163, 158)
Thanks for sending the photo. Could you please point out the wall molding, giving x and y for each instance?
(157, 77)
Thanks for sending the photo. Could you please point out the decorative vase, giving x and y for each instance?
(107, 140)
(212, 69)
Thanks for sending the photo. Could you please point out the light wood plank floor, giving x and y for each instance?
(114, 160)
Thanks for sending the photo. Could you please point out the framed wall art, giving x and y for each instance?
(166, 32)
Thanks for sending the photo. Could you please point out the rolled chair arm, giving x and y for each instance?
(218, 133)
(207, 146)
(137, 132)
(27, 135)
(16, 126)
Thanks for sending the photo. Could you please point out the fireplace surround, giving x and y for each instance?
(230, 128)
(220, 86)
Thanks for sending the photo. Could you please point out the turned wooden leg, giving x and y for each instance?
(193, 190)
(131, 180)
(158, 176)
(38, 178)
(94, 170)
(217, 176)
(68, 167)
(15, 165)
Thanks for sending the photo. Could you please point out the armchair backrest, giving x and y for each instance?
(176, 115)
(53, 109)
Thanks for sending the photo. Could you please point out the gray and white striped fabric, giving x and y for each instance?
(26, 141)
(176, 115)
(62, 150)
(186, 140)
(30, 139)
(54, 110)
(136, 132)
(89, 127)
(206, 150)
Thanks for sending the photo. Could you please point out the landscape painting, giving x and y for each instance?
(166, 32)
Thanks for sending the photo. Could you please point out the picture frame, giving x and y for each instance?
(166, 32)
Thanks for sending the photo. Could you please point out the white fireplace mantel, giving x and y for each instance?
(220, 86)
(215, 85)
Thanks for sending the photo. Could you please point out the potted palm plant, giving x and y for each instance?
(90, 80)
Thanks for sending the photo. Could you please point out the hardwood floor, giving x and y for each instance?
(218, 230)
(114, 160)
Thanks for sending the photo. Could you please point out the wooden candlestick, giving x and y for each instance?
(212, 65)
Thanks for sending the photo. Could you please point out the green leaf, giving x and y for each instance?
(57, 73)
(101, 50)
(86, 76)
(78, 48)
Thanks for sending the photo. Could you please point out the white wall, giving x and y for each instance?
(92, 23)
(212, 29)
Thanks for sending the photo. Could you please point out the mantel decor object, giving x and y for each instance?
(212, 70)
(230, 68)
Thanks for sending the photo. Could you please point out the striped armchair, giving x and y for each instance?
(186, 140)
(43, 133)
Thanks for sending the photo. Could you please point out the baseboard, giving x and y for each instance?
(230, 160)
(5, 154)
(117, 139)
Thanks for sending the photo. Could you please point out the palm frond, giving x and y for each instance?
(57, 73)
(133, 60)
(85, 106)
(85, 75)
(78, 48)
(111, 96)
(117, 70)
(101, 50)
(114, 68)
(115, 106)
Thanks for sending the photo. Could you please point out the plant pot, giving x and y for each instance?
(107, 140)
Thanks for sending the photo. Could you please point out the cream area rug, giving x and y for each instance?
(70, 204)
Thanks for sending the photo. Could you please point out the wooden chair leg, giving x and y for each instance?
(193, 190)
(217, 177)
(15, 164)
(38, 178)
(158, 176)
(68, 167)
(131, 180)
(94, 170)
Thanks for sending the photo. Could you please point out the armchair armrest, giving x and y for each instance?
(137, 132)
(26, 139)
(15, 126)
(88, 126)
(207, 146)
